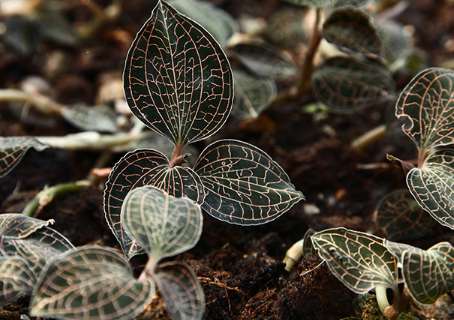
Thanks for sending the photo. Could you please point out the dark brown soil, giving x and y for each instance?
(240, 268)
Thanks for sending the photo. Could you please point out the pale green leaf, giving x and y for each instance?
(426, 108)
(217, 22)
(432, 186)
(351, 30)
(178, 81)
(13, 149)
(181, 291)
(90, 283)
(102, 118)
(359, 260)
(18, 226)
(400, 217)
(142, 168)
(243, 185)
(16, 279)
(347, 84)
(163, 225)
(252, 95)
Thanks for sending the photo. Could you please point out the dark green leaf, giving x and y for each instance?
(217, 22)
(397, 41)
(181, 291)
(90, 283)
(352, 31)
(432, 186)
(252, 95)
(178, 81)
(346, 84)
(13, 149)
(243, 185)
(141, 168)
(285, 28)
(359, 260)
(426, 108)
(16, 279)
(401, 218)
(328, 3)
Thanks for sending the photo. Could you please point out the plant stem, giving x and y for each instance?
(46, 196)
(368, 138)
(148, 271)
(308, 65)
(177, 156)
(390, 311)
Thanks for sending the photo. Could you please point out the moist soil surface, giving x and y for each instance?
(240, 268)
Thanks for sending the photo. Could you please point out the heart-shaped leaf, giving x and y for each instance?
(163, 225)
(178, 81)
(401, 218)
(90, 283)
(13, 149)
(181, 291)
(264, 61)
(243, 185)
(252, 95)
(101, 118)
(328, 3)
(141, 168)
(346, 83)
(359, 260)
(16, 279)
(352, 31)
(18, 226)
(426, 108)
(217, 22)
(432, 186)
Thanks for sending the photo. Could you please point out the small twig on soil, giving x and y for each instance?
(368, 138)
(46, 196)
(218, 283)
(308, 64)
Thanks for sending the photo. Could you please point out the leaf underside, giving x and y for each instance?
(13, 149)
(181, 291)
(162, 224)
(16, 279)
(178, 81)
(432, 186)
(18, 226)
(426, 108)
(243, 185)
(352, 31)
(359, 260)
(141, 168)
(401, 218)
(346, 84)
(328, 3)
(90, 283)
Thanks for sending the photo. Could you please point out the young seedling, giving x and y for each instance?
(363, 262)
(426, 109)
(26, 245)
(73, 286)
(179, 83)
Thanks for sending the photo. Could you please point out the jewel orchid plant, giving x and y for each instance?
(179, 83)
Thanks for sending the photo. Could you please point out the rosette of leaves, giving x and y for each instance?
(179, 83)
(426, 109)
(74, 285)
(26, 244)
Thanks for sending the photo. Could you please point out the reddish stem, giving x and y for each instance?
(177, 156)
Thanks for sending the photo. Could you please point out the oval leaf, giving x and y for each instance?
(90, 283)
(243, 185)
(432, 186)
(352, 31)
(162, 224)
(217, 22)
(429, 274)
(346, 84)
(18, 226)
(285, 28)
(16, 279)
(426, 108)
(102, 119)
(359, 260)
(401, 218)
(264, 61)
(328, 3)
(140, 168)
(13, 149)
(252, 95)
(181, 291)
(178, 80)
